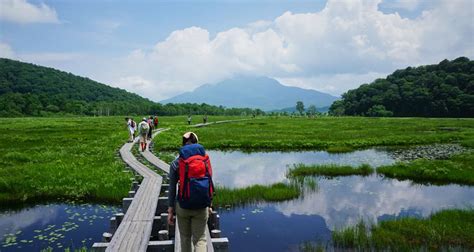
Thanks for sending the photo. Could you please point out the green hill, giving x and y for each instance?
(442, 90)
(31, 90)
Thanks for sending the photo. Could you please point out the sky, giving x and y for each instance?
(159, 49)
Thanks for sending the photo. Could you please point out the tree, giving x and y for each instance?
(441, 90)
(300, 107)
(337, 108)
(312, 110)
(379, 111)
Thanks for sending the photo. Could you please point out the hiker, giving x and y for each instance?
(131, 129)
(189, 119)
(204, 119)
(192, 171)
(143, 129)
(151, 126)
(134, 126)
(155, 121)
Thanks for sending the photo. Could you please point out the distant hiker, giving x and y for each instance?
(189, 119)
(204, 119)
(152, 126)
(192, 171)
(134, 125)
(131, 129)
(143, 129)
(155, 121)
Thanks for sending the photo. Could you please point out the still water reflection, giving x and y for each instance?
(239, 169)
(57, 226)
(336, 203)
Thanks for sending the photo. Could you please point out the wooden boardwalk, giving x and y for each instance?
(132, 231)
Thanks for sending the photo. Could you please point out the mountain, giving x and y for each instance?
(255, 92)
(31, 90)
(442, 90)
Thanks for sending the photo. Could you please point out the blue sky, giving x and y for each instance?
(162, 48)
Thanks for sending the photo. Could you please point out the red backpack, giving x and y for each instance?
(195, 178)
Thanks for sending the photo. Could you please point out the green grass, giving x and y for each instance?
(457, 169)
(67, 157)
(325, 133)
(299, 170)
(50, 158)
(256, 193)
(443, 230)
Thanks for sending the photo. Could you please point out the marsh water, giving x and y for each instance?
(283, 226)
(57, 226)
(336, 202)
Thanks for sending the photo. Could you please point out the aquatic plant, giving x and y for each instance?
(256, 193)
(444, 230)
(330, 170)
(457, 169)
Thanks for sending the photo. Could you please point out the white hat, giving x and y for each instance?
(187, 135)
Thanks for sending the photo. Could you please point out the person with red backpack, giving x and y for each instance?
(192, 172)
(155, 122)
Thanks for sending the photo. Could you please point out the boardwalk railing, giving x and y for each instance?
(143, 226)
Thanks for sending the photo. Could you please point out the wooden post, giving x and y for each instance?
(126, 204)
(218, 219)
(106, 237)
(215, 233)
(163, 235)
(156, 225)
(171, 229)
(164, 221)
(119, 218)
(220, 244)
(113, 225)
(131, 194)
(99, 246)
(212, 221)
(162, 206)
(134, 186)
(160, 246)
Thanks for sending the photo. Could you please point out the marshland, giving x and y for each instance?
(325, 182)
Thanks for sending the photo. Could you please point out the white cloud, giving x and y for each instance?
(6, 51)
(334, 84)
(345, 44)
(20, 11)
(338, 48)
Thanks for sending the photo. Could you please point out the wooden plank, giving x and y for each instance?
(133, 234)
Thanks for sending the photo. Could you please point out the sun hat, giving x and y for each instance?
(187, 135)
(144, 119)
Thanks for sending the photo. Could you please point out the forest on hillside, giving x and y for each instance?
(31, 90)
(442, 90)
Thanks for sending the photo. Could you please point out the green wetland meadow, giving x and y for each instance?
(59, 159)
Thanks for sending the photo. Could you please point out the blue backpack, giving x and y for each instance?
(195, 178)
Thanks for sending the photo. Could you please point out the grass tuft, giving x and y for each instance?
(301, 170)
(444, 230)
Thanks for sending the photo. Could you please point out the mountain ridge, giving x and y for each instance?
(255, 92)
